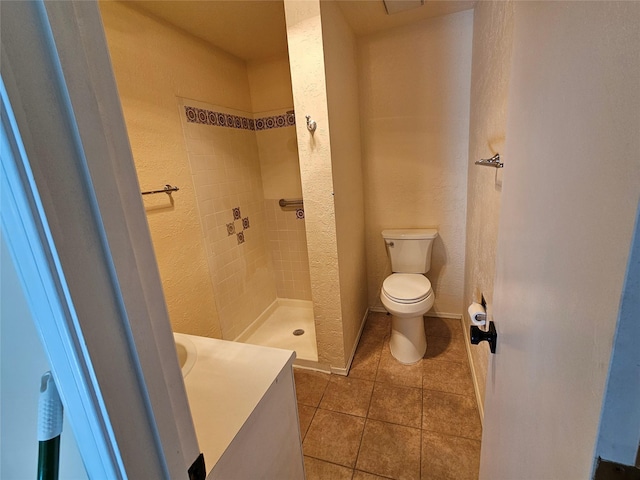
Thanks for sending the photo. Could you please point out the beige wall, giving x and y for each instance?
(492, 39)
(306, 55)
(270, 85)
(154, 64)
(414, 87)
(340, 56)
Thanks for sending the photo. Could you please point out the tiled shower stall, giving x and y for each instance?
(256, 250)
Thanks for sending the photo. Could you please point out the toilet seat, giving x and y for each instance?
(406, 288)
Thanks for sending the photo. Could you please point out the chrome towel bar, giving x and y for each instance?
(491, 162)
(167, 189)
(290, 203)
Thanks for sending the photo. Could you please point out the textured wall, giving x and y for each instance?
(153, 65)
(306, 57)
(414, 88)
(342, 95)
(270, 86)
(492, 39)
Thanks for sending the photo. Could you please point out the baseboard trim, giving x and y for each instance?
(452, 316)
(311, 365)
(345, 371)
(474, 377)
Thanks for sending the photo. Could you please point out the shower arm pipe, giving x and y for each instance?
(167, 189)
(290, 203)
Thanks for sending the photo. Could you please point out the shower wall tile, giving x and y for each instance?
(288, 248)
(225, 168)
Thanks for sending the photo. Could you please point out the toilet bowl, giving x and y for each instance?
(406, 293)
(407, 297)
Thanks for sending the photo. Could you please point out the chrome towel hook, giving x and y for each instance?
(311, 124)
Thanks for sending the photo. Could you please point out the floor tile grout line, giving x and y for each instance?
(451, 393)
(372, 473)
(315, 410)
(422, 419)
(328, 461)
(366, 419)
(355, 463)
(420, 456)
(450, 435)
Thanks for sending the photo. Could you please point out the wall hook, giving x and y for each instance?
(311, 124)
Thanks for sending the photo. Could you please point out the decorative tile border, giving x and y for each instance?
(276, 121)
(209, 117)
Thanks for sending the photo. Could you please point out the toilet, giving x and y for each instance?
(407, 293)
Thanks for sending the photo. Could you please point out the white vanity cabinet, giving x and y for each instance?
(243, 402)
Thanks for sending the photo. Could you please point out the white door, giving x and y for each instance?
(571, 189)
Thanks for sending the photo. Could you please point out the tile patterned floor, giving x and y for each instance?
(387, 420)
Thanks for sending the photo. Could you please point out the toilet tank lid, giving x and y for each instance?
(410, 233)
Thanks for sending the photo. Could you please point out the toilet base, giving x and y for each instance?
(408, 341)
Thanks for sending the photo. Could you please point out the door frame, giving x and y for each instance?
(75, 223)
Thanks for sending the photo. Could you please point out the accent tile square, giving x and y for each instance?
(231, 229)
(334, 437)
(236, 213)
(245, 223)
(240, 238)
(390, 450)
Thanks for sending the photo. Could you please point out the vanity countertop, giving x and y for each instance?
(224, 387)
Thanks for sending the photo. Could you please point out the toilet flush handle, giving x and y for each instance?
(389, 243)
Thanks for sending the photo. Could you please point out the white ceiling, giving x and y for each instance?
(369, 16)
(255, 29)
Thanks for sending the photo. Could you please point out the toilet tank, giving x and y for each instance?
(410, 249)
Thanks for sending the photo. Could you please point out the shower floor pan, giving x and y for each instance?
(279, 327)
